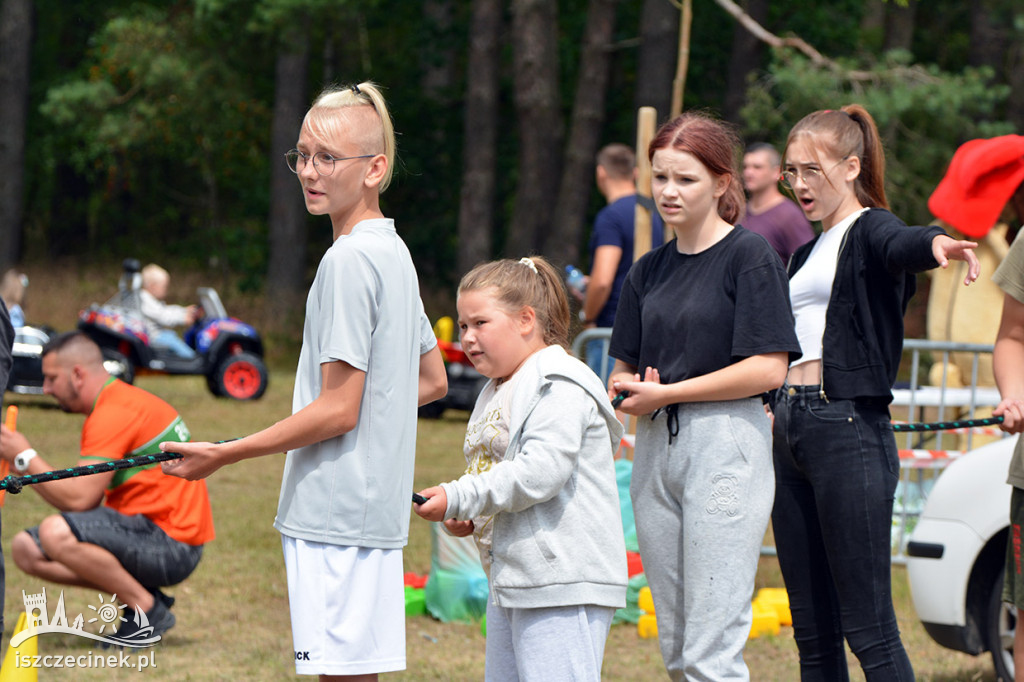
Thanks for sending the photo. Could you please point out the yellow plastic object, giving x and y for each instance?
(444, 329)
(10, 671)
(644, 600)
(778, 599)
(647, 626)
(765, 622)
(12, 424)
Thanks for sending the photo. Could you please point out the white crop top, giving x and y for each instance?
(811, 288)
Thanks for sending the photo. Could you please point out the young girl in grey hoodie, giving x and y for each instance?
(539, 494)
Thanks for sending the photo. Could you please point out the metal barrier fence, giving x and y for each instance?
(923, 456)
(594, 339)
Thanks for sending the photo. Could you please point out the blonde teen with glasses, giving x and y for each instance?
(368, 358)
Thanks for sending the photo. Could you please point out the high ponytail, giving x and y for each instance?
(870, 184)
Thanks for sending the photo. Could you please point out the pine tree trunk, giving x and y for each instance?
(563, 241)
(992, 44)
(286, 272)
(479, 152)
(899, 26)
(656, 68)
(746, 57)
(535, 57)
(15, 62)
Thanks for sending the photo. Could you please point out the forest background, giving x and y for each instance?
(156, 129)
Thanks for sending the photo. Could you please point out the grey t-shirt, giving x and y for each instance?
(364, 309)
(1010, 278)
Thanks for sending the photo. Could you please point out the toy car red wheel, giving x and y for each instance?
(242, 377)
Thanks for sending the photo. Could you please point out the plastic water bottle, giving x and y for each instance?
(574, 279)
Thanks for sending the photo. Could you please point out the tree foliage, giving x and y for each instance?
(162, 131)
(923, 114)
(150, 120)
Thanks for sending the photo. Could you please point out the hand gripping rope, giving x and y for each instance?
(14, 484)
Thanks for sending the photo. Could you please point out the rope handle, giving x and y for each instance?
(947, 426)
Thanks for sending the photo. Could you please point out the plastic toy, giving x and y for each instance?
(229, 352)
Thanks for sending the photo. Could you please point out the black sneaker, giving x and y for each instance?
(154, 622)
(165, 598)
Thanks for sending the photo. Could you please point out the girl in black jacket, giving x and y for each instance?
(836, 462)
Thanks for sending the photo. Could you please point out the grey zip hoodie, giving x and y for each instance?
(557, 538)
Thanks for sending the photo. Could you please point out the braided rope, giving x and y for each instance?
(947, 426)
(14, 484)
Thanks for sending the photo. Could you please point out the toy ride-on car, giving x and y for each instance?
(464, 382)
(27, 369)
(228, 352)
(26, 375)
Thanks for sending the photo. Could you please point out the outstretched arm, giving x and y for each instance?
(945, 248)
(331, 414)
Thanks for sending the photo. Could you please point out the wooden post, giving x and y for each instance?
(646, 122)
(645, 127)
(679, 84)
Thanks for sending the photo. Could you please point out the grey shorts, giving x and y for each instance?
(1013, 585)
(154, 558)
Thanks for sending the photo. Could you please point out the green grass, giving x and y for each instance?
(233, 621)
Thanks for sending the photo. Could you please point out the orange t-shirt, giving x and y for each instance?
(128, 422)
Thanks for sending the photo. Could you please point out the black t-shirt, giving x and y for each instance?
(6, 341)
(691, 314)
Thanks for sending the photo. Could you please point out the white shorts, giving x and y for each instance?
(347, 606)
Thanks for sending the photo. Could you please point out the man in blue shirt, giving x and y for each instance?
(611, 245)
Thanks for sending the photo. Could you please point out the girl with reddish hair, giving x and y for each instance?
(836, 464)
(703, 329)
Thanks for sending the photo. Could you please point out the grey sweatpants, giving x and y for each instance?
(702, 505)
(564, 643)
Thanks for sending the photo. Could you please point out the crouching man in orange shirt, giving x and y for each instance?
(129, 532)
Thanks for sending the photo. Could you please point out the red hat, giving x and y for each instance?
(980, 180)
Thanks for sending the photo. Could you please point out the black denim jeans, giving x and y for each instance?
(836, 470)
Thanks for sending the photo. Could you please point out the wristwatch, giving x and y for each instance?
(22, 459)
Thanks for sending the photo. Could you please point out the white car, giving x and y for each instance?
(956, 557)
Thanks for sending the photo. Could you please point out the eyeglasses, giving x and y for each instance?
(810, 176)
(322, 161)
